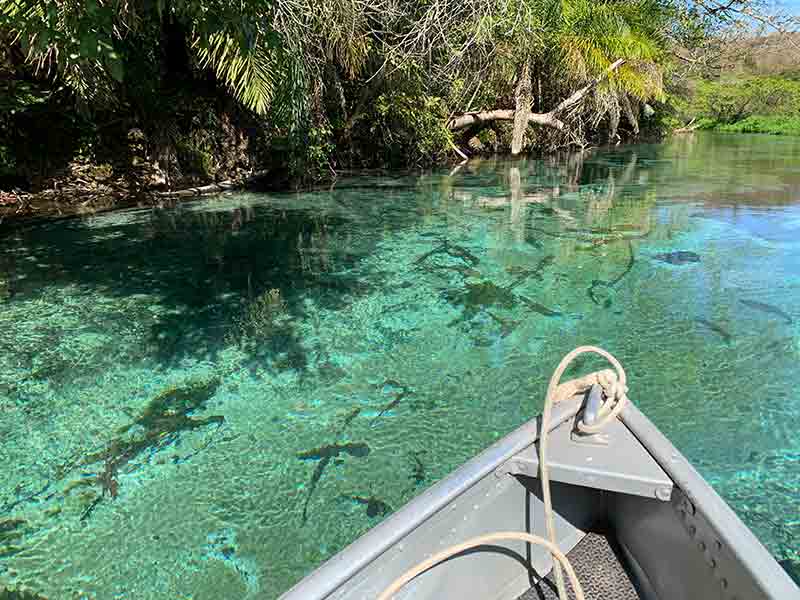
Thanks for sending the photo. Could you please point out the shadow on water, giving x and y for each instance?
(414, 318)
(239, 273)
(206, 271)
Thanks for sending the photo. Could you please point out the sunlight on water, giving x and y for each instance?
(208, 401)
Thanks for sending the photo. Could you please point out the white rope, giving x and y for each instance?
(480, 541)
(615, 389)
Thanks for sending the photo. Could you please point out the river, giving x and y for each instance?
(208, 401)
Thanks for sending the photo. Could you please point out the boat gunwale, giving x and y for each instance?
(742, 544)
(731, 532)
(346, 564)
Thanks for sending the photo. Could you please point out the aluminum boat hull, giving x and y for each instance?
(675, 537)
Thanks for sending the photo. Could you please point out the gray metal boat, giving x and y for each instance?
(632, 516)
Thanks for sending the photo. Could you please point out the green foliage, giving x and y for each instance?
(775, 125)
(318, 151)
(732, 101)
(768, 104)
(250, 74)
(323, 82)
(194, 158)
(409, 128)
(591, 35)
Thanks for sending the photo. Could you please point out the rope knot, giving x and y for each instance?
(612, 386)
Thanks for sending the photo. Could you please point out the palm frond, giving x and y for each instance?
(249, 73)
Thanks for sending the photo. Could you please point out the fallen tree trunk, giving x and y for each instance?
(579, 95)
(548, 119)
(213, 188)
(502, 114)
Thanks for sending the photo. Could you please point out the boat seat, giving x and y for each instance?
(600, 569)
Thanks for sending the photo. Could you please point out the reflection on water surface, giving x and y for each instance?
(209, 401)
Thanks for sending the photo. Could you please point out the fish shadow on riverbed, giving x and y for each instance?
(375, 506)
(331, 453)
(397, 391)
(716, 328)
(678, 257)
(476, 298)
(325, 455)
(769, 309)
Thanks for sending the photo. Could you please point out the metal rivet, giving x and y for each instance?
(702, 546)
(692, 530)
(723, 583)
(718, 545)
(712, 563)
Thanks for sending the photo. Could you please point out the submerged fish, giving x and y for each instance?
(317, 475)
(542, 310)
(679, 257)
(325, 455)
(400, 391)
(375, 506)
(768, 308)
(418, 468)
(357, 449)
(715, 328)
(349, 419)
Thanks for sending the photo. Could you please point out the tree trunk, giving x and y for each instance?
(473, 119)
(548, 119)
(613, 120)
(630, 114)
(524, 99)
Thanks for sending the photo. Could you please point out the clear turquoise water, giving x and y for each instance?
(208, 401)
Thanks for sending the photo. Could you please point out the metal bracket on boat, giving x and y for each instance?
(589, 415)
(622, 466)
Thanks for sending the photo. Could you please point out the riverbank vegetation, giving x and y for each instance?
(101, 99)
(754, 89)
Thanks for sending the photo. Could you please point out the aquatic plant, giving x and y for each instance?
(260, 318)
(10, 535)
(162, 419)
(19, 594)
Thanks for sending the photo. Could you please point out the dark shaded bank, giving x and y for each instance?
(18, 207)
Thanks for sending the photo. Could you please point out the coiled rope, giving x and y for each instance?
(615, 390)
